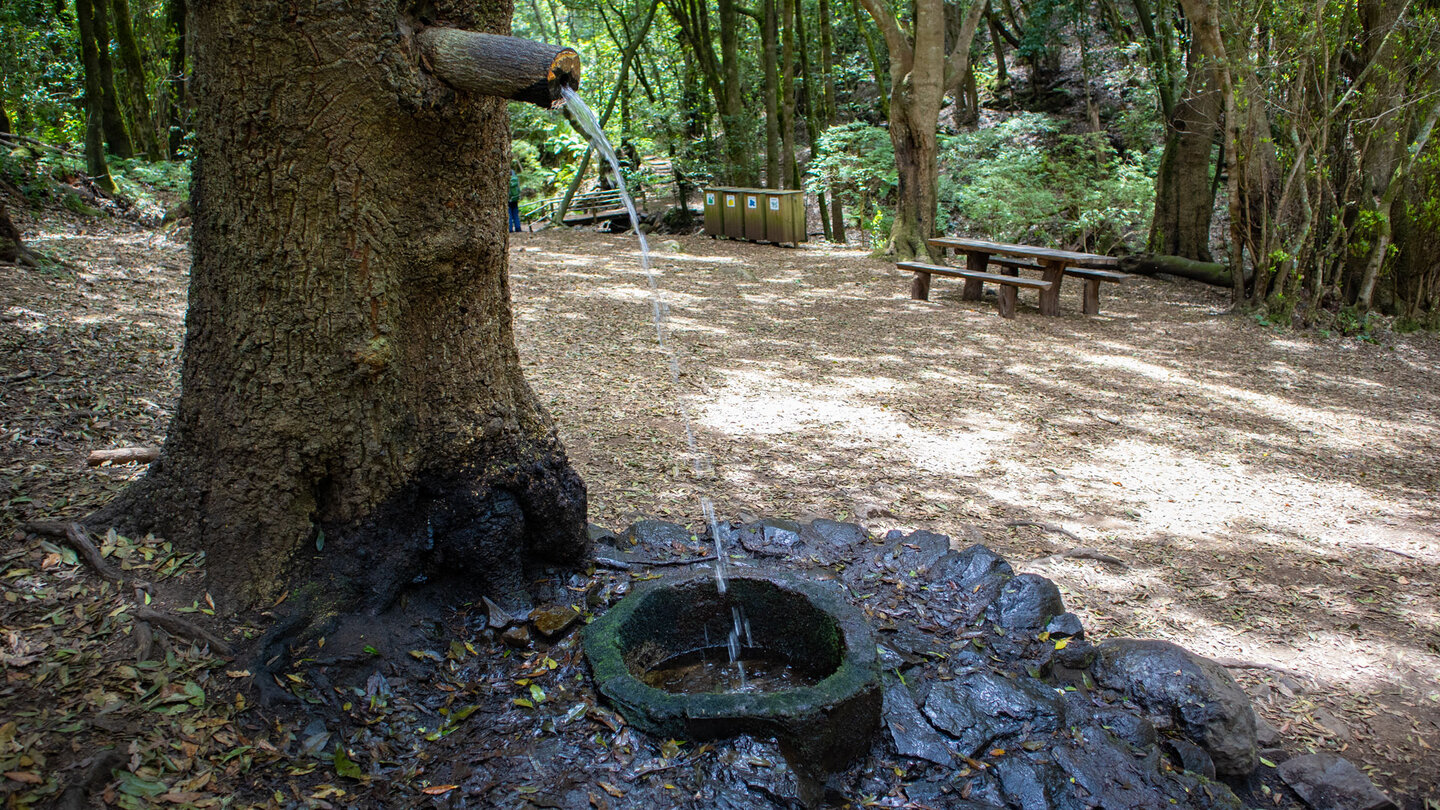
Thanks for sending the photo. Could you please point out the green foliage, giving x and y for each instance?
(1026, 181)
(855, 163)
(40, 70)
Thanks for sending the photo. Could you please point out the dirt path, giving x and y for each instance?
(1272, 494)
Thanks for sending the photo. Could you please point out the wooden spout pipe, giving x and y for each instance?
(493, 65)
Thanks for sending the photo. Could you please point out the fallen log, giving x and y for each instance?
(1150, 264)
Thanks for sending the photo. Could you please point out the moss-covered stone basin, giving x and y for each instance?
(806, 624)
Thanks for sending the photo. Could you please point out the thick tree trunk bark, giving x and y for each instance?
(12, 249)
(1184, 196)
(352, 416)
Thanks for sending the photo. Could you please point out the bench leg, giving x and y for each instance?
(1007, 301)
(1008, 295)
(1053, 272)
(974, 288)
(920, 287)
(1092, 296)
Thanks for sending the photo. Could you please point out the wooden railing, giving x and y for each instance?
(591, 202)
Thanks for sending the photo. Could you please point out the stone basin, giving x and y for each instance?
(805, 624)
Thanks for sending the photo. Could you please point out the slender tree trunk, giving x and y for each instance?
(12, 248)
(117, 138)
(769, 33)
(813, 107)
(836, 227)
(787, 94)
(877, 64)
(352, 417)
(95, 165)
(175, 83)
(142, 120)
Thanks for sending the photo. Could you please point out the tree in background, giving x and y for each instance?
(921, 73)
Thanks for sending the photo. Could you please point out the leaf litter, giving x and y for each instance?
(1270, 491)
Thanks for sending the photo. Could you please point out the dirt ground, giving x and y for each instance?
(1271, 494)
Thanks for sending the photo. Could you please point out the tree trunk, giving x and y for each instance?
(5, 125)
(142, 120)
(836, 228)
(95, 165)
(12, 249)
(117, 138)
(1184, 196)
(920, 73)
(1147, 264)
(352, 416)
(787, 94)
(769, 31)
(175, 82)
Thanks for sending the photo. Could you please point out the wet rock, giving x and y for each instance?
(1127, 726)
(1031, 785)
(772, 538)
(913, 735)
(517, 637)
(1328, 782)
(1076, 654)
(1065, 625)
(917, 551)
(602, 535)
(551, 621)
(971, 567)
(1108, 773)
(1191, 757)
(832, 535)
(980, 706)
(1197, 695)
(1026, 603)
(656, 534)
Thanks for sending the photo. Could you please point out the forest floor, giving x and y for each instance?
(1272, 494)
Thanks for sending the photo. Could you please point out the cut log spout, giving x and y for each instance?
(493, 65)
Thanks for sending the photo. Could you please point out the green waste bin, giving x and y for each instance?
(785, 216)
(754, 214)
(714, 212)
(733, 217)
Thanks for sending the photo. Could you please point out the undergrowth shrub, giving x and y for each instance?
(1026, 181)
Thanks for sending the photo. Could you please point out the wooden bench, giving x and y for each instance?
(1009, 285)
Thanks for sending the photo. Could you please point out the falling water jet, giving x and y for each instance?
(700, 463)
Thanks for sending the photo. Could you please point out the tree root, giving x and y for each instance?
(184, 629)
(75, 535)
(144, 641)
(1047, 527)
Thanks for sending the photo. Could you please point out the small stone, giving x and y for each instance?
(657, 534)
(1328, 782)
(551, 621)
(517, 637)
(833, 533)
(971, 567)
(600, 534)
(1192, 758)
(1265, 734)
(775, 538)
(1066, 625)
(496, 617)
(671, 246)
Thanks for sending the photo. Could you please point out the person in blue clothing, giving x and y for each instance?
(514, 202)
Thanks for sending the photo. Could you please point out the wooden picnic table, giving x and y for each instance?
(1053, 264)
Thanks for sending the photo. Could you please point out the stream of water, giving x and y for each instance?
(700, 462)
